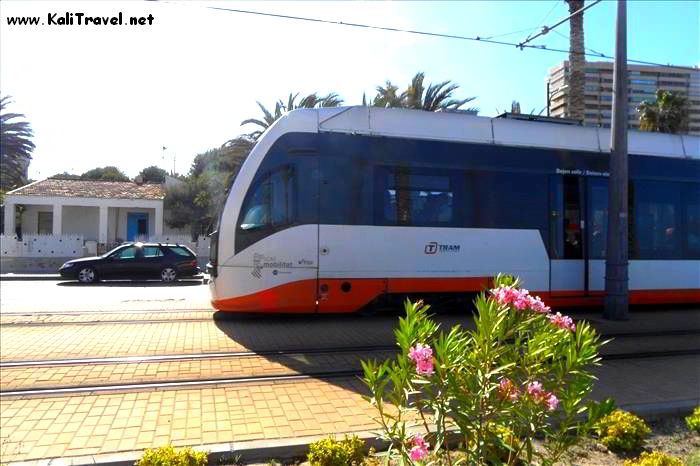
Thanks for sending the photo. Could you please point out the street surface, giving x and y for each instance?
(57, 296)
(113, 369)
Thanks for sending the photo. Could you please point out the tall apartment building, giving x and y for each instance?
(643, 80)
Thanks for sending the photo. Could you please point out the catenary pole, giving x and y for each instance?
(616, 262)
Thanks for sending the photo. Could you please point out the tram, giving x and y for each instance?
(338, 209)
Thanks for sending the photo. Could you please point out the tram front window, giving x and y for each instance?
(270, 206)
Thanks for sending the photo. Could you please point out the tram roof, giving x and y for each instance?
(461, 127)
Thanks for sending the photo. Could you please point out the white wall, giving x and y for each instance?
(82, 221)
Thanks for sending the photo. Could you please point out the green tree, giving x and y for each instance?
(388, 96)
(435, 97)
(668, 113)
(153, 174)
(109, 173)
(196, 202)
(15, 147)
(310, 101)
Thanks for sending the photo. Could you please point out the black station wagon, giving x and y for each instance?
(166, 262)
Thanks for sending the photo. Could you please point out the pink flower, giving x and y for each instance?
(422, 355)
(505, 295)
(551, 401)
(535, 390)
(520, 299)
(537, 305)
(561, 321)
(506, 389)
(419, 451)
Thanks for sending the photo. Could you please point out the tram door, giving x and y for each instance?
(568, 248)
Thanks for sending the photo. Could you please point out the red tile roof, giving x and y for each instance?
(51, 187)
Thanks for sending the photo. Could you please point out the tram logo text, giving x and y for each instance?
(434, 248)
(261, 262)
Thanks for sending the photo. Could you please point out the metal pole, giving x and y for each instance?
(616, 262)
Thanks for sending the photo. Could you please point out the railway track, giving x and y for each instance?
(290, 351)
(350, 370)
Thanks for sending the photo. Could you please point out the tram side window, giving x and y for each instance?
(692, 221)
(509, 200)
(269, 206)
(598, 218)
(415, 199)
(657, 220)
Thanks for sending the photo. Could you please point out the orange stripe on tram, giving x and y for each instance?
(351, 294)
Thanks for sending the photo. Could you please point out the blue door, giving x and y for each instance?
(136, 225)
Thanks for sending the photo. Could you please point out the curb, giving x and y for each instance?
(11, 277)
(264, 450)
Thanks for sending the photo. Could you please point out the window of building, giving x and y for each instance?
(45, 223)
(648, 82)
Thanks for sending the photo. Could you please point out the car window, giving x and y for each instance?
(180, 251)
(127, 253)
(152, 251)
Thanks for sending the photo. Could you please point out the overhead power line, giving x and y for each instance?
(432, 34)
(593, 51)
(542, 24)
(546, 29)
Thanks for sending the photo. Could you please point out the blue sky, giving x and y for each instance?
(115, 96)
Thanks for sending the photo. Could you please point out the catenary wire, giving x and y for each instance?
(586, 48)
(546, 29)
(542, 24)
(434, 34)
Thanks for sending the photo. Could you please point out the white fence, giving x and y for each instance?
(41, 246)
(75, 245)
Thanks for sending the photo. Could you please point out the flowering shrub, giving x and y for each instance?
(523, 372)
(332, 452)
(693, 421)
(655, 458)
(168, 456)
(622, 431)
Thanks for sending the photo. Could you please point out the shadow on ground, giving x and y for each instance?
(132, 283)
(365, 337)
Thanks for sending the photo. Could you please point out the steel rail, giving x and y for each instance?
(271, 352)
(267, 378)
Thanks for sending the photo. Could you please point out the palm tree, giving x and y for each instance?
(577, 62)
(667, 114)
(312, 100)
(15, 147)
(388, 96)
(436, 97)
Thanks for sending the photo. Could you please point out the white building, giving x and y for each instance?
(103, 211)
(53, 220)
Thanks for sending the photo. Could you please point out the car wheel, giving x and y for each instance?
(87, 275)
(168, 274)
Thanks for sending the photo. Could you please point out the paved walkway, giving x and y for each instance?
(34, 427)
